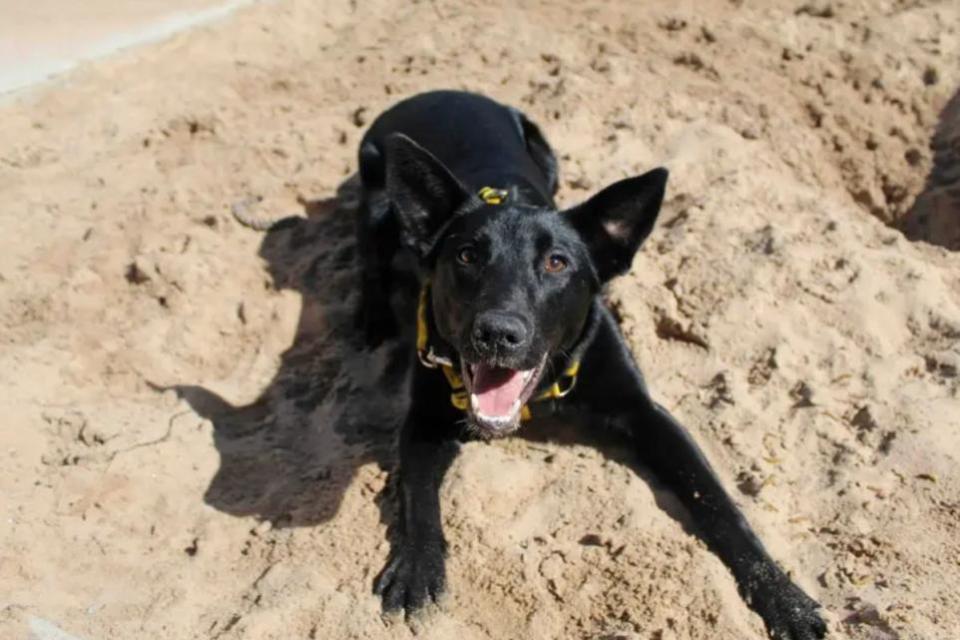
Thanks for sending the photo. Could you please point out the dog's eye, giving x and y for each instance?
(555, 263)
(467, 255)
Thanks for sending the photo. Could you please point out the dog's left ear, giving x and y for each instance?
(616, 221)
(423, 191)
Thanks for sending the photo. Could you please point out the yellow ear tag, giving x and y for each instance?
(492, 196)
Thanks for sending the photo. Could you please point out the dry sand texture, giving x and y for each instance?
(812, 349)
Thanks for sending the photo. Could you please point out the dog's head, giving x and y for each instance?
(512, 285)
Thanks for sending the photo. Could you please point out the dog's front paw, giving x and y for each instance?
(414, 576)
(789, 613)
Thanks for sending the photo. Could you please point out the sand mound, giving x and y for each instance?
(811, 349)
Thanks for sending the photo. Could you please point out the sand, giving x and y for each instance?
(811, 347)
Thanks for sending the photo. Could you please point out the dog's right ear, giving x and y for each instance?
(423, 191)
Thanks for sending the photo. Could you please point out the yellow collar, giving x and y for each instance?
(459, 397)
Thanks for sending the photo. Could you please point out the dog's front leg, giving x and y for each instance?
(611, 385)
(415, 573)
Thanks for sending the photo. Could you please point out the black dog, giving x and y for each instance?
(510, 316)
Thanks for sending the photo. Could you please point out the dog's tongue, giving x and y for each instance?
(496, 389)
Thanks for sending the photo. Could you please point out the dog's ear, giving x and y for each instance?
(616, 221)
(422, 189)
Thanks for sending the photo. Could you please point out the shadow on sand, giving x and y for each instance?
(289, 456)
(935, 214)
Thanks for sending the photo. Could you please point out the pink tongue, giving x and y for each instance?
(497, 389)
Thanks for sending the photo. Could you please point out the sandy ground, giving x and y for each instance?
(811, 348)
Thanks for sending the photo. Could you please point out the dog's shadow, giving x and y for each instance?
(332, 406)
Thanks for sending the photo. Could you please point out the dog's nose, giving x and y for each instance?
(498, 331)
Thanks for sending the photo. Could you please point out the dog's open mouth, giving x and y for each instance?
(497, 394)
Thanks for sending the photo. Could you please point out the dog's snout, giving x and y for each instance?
(499, 332)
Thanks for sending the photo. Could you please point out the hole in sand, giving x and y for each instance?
(934, 216)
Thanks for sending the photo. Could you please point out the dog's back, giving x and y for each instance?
(482, 142)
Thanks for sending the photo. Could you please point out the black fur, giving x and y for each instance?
(516, 286)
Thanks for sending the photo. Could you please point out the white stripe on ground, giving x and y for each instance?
(41, 629)
(32, 72)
